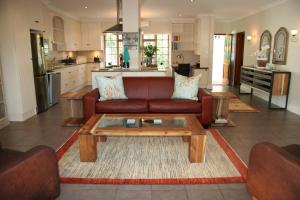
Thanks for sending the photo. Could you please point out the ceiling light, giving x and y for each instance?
(191, 1)
(180, 15)
(85, 7)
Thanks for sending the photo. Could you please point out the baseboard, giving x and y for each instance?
(294, 109)
(19, 117)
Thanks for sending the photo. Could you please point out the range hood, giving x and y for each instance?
(119, 26)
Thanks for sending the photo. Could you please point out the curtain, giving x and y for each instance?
(227, 55)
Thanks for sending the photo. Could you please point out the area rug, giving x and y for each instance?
(236, 105)
(151, 160)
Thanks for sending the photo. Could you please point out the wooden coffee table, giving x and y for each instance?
(98, 127)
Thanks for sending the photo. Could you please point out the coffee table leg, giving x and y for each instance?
(102, 138)
(88, 148)
(197, 148)
(186, 138)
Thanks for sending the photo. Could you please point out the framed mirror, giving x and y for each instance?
(266, 42)
(281, 41)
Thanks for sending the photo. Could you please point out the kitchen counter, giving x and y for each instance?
(127, 70)
(62, 66)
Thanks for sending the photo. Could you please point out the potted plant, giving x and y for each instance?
(149, 51)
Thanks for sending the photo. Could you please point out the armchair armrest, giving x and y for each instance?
(89, 102)
(207, 107)
(30, 175)
(273, 173)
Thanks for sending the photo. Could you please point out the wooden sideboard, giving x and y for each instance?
(274, 82)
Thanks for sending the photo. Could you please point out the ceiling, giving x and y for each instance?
(160, 9)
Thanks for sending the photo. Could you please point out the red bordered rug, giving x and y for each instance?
(230, 153)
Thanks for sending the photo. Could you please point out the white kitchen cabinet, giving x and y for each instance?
(73, 77)
(72, 35)
(197, 37)
(91, 36)
(185, 34)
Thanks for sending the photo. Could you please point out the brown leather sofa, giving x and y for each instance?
(30, 175)
(274, 172)
(150, 95)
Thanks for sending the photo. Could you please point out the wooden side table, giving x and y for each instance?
(75, 108)
(221, 108)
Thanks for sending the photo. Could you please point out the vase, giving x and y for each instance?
(148, 61)
(262, 63)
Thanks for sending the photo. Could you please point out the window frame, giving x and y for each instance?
(155, 41)
(117, 47)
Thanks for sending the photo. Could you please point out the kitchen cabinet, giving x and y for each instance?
(73, 77)
(197, 37)
(72, 35)
(183, 36)
(91, 36)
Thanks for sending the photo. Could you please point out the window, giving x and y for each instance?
(161, 41)
(113, 48)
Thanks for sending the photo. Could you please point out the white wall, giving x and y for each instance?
(286, 15)
(158, 27)
(16, 19)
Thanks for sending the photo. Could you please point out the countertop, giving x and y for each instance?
(126, 70)
(62, 66)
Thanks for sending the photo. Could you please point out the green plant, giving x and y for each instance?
(150, 50)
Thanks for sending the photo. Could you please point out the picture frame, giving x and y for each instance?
(266, 39)
(281, 41)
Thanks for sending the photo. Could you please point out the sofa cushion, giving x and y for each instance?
(174, 106)
(122, 106)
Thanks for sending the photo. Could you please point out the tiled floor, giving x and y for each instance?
(279, 127)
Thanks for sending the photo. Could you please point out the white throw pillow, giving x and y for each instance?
(111, 88)
(186, 87)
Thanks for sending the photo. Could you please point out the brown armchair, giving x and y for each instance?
(29, 175)
(274, 172)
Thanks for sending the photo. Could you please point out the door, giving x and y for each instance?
(237, 58)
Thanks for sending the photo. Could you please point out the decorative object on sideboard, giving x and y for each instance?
(262, 56)
(280, 46)
(294, 34)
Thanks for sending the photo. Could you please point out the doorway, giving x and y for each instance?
(221, 59)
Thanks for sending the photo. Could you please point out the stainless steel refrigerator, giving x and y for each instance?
(39, 70)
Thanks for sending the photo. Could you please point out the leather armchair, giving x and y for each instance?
(29, 175)
(274, 172)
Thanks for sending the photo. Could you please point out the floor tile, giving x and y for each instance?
(133, 195)
(234, 194)
(168, 187)
(202, 187)
(169, 195)
(204, 195)
(134, 187)
(88, 194)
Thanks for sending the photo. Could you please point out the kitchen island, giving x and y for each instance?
(129, 73)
